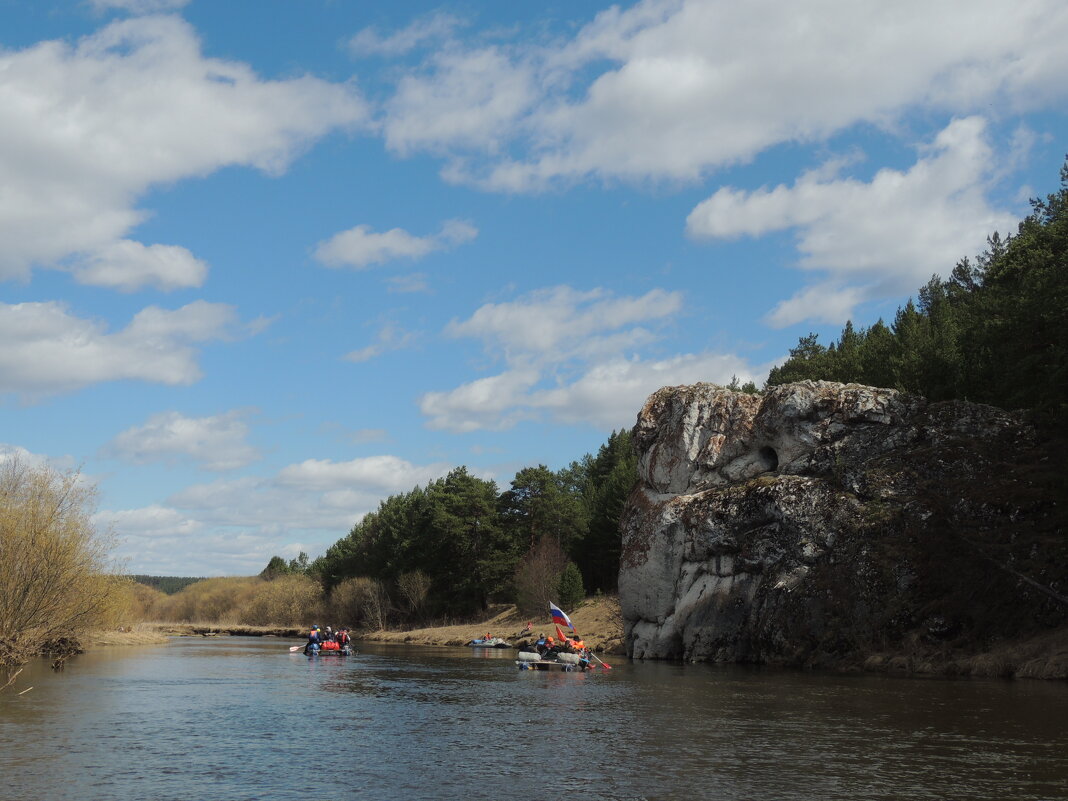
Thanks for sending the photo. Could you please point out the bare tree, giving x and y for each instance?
(376, 603)
(55, 582)
(537, 576)
(415, 587)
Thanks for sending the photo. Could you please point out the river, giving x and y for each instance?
(238, 719)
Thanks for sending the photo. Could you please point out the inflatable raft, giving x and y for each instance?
(566, 663)
(492, 642)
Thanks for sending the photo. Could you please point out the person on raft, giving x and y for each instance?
(315, 640)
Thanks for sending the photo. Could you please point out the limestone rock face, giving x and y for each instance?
(795, 527)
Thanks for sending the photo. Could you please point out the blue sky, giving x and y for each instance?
(263, 264)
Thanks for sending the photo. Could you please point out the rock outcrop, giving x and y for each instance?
(829, 524)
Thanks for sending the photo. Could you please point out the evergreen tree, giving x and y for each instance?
(610, 478)
(570, 590)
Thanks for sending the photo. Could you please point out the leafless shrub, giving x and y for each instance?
(216, 600)
(287, 600)
(55, 580)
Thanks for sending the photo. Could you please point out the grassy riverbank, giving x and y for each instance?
(597, 619)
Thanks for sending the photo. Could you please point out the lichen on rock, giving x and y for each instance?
(820, 524)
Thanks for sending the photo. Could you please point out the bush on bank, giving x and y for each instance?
(55, 581)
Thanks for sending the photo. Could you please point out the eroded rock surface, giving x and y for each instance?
(813, 524)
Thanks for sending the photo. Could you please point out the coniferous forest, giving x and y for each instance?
(460, 542)
(995, 331)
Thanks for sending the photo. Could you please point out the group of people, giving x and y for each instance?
(328, 640)
(547, 646)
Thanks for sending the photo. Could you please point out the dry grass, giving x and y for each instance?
(597, 620)
(142, 634)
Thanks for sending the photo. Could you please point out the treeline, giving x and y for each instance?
(995, 331)
(293, 600)
(450, 548)
(440, 552)
(166, 584)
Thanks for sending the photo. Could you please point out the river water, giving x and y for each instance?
(238, 719)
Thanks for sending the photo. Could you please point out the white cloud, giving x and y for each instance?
(16, 453)
(874, 239)
(407, 284)
(672, 89)
(85, 129)
(473, 100)
(562, 321)
(361, 247)
(390, 337)
(47, 350)
(241, 523)
(218, 442)
(376, 473)
(610, 394)
(824, 303)
(496, 402)
(139, 6)
(128, 265)
(572, 357)
(149, 523)
(425, 30)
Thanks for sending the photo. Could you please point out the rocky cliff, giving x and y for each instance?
(839, 525)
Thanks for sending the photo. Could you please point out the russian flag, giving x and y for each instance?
(559, 618)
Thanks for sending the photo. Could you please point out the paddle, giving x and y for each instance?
(606, 667)
(296, 648)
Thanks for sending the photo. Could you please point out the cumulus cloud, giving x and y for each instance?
(218, 442)
(469, 101)
(87, 128)
(559, 321)
(572, 357)
(672, 89)
(873, 239)
(495, 402)
(377, 473)
(16, 453)
(243, 522)
(362, 247)
(127, 266)
(48, 350)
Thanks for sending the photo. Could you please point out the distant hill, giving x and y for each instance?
(167, 584)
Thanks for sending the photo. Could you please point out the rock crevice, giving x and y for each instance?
(803, 526)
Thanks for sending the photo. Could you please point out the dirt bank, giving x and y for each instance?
(597, 619)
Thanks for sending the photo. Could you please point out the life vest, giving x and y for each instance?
(342, 638)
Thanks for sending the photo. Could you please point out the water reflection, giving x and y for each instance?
(245, 719)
